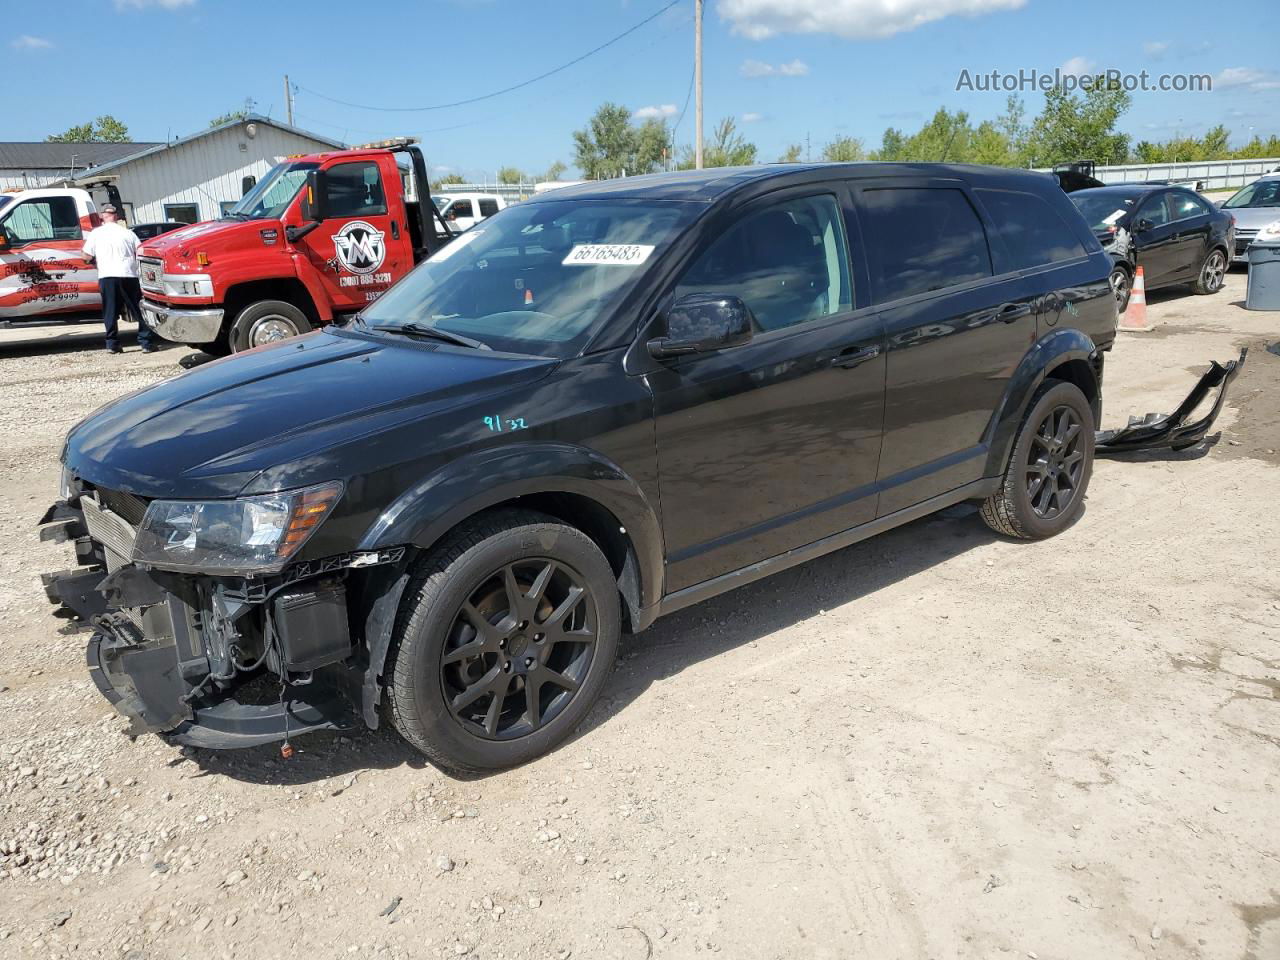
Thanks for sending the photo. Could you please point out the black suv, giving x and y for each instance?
(595, 408)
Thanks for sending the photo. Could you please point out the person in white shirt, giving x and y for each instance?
(114, 247)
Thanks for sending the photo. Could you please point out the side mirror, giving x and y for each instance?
(1142, 226)
(701, 322)
(313, 197)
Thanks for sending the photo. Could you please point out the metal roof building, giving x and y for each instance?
(190, 179)
(24, 165)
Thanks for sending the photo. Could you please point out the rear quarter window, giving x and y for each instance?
(488, 208)
(921, 239)
(1033, 233)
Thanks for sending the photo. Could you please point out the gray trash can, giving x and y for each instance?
(1264, 276)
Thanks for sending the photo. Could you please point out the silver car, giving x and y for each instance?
(1253, 206)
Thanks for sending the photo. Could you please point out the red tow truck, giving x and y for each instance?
(317, 238)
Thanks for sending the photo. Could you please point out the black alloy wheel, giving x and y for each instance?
(1055, 463)
(519, 648)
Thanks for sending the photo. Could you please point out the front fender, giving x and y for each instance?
(433, 506)
(1053, 349)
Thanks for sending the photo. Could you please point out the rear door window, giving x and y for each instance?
(488, 208)
(922, 239)
(788, 262)
(1187, 205)
(1034, 234)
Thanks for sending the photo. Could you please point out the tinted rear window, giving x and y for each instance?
(1034, 234)
(922, 239)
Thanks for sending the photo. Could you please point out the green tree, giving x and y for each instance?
(555, 171)
(727, 148)
(106, 129)
(510, 175)
(791, 154)
(1083, 127)
(893, 144)
(844, 150)
(228, 117)
(611, 145)
(448, 178)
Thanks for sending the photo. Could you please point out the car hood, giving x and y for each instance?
(1253, 218)
(210, 238)
(211, 431)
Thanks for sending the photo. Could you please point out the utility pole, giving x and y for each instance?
(697, 83)
(288, 99)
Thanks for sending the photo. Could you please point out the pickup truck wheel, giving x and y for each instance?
(1043, 489)
(266, 322)
(504, 640)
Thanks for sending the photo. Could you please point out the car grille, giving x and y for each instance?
(124, 505)
(151, 274)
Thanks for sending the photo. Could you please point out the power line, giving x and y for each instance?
(497, 93)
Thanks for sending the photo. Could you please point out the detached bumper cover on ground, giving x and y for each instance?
(1157, 431)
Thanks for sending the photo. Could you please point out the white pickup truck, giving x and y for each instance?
(462, 211)
(43, 272)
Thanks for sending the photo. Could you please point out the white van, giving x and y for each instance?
(464, 210)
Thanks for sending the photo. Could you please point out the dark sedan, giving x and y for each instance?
(1173, 233)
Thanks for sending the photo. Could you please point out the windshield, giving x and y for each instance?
(441, 201)
(272, 194)
(538, 277)
(1260, 193)
(1103, 211)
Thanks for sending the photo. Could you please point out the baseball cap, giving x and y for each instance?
(109, 208)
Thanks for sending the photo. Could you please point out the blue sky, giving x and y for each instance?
(786, 69)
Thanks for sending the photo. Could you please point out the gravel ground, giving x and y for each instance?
(935, 744)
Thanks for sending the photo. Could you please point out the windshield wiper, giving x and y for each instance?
(412, 329)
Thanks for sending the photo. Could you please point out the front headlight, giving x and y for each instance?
(251, 535)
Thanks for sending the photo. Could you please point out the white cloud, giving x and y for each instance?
(758, 68)
(1155, 49)
(656, 112)
(752, 117)
(143, 4)
(758, 19)
(28, 42)
(1078, 67)
(1250, 78)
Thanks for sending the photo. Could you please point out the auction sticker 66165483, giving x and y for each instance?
(616, 254)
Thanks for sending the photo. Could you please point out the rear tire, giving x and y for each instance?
(266, 321)
(1043, 489)
(1212, 273)
(496, 655)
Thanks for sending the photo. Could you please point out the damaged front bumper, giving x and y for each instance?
(215, 662)
(1158, 431)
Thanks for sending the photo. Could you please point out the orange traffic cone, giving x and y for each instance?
(1134, 317)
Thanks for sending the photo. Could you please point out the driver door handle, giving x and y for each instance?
(852, 356)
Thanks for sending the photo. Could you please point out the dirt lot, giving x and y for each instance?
(936, 744)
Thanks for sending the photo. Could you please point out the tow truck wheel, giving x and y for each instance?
(266, 322)
(504, 640)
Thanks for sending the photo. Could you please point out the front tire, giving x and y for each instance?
(266, 321)
(1213, 273)
(1044, 486)
(1121, 287)
(504, 641)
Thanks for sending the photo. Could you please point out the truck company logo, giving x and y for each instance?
(360, 247)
